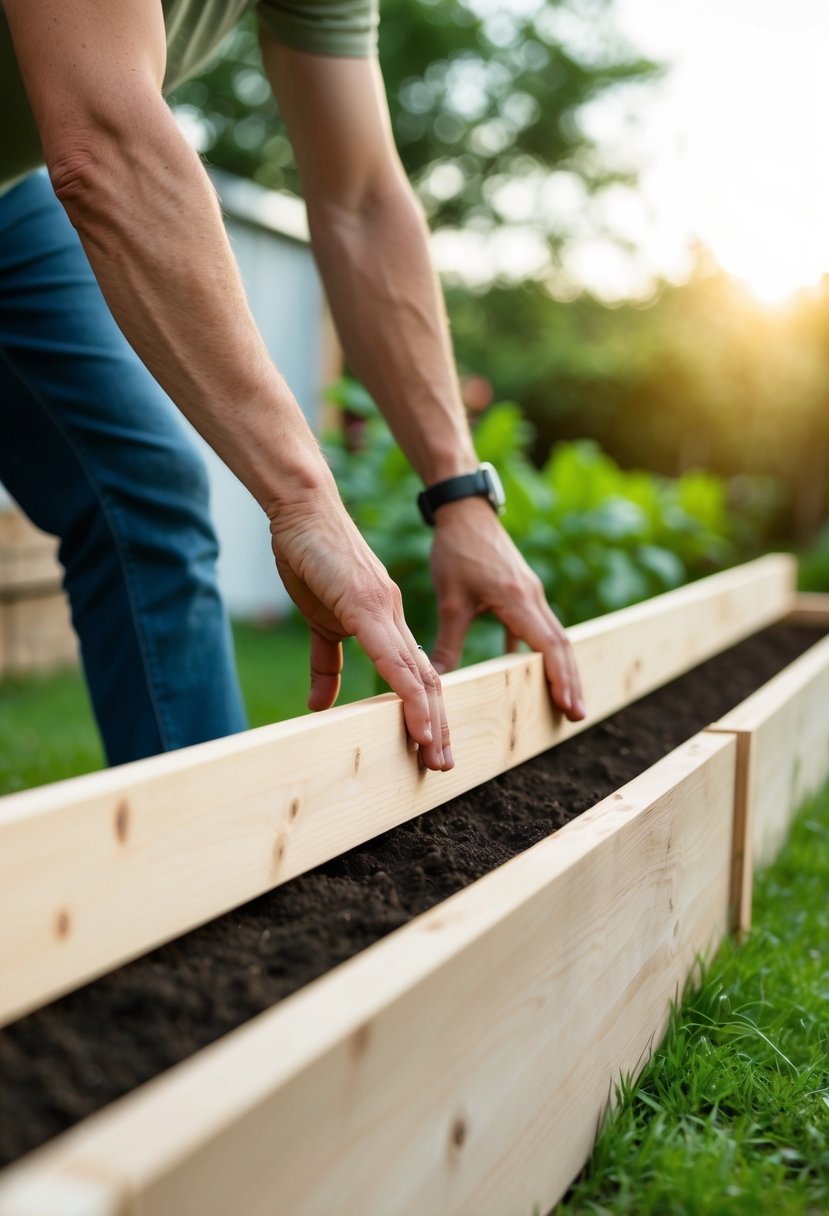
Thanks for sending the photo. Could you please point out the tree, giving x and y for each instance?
(705, 376)
(484, 95)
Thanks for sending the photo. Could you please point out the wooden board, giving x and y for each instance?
(783, 738)
(810, 608)
(96, 870)
(460, 1066)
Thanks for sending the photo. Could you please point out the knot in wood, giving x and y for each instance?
(122, 822)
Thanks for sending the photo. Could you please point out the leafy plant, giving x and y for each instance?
(814, 564)
(599, 537)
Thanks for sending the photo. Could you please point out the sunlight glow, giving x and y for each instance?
(764, 225)
(771, 282)
(732, 138)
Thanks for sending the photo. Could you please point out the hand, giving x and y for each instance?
(343, 590)
(476, 568)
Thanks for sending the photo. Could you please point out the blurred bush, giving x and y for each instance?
(703, 377)
(814, 564)
(599, 537)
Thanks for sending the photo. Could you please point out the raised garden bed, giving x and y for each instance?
(165, 844)
(782, 734)
(460, 1064)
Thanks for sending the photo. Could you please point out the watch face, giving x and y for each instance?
(496, 489)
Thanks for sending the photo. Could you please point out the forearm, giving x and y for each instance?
(391, 318)
(151, 226)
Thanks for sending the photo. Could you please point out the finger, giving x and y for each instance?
(578, 711)
(536, 625)
(326, 666)
(511, 641)
(454, 621)
(392, 656)
(579, 708)
(437, 706)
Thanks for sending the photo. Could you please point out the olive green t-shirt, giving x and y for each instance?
(195, 29)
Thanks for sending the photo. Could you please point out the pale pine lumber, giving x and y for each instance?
(810, 608)
(99, 869)
(783, 758)
(460, 1066)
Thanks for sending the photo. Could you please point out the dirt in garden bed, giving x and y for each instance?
(67, 1060)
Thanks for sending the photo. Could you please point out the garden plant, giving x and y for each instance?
(599, 537)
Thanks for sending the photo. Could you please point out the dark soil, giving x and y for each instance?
(65, 1061)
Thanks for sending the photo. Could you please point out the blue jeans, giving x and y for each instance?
(96, 454)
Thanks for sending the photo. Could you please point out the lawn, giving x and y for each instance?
(731, 1117)
(47, 731)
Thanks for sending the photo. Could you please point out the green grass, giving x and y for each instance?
(732, 1114)
(47, 731)
(273, 671)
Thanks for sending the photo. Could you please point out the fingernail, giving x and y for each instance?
(448, 758)
(427, 735)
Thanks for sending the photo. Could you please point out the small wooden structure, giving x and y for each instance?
(35, 628)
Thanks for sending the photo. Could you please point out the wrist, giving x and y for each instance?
(294, 472)
(299, 482)
(483, 484)
(465, 512)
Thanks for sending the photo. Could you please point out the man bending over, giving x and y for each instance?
(125, 234)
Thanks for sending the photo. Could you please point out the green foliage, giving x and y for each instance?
(814, 564)
(704, 377)
(478, 93)
(731, 1117)
(598, 537)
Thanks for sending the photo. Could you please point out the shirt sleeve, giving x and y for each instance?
(323, 27)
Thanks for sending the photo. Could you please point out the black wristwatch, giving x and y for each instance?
(483, 483)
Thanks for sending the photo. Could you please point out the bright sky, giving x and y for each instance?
(731, 146)
(733, 141)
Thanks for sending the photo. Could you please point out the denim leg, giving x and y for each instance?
(96, 454)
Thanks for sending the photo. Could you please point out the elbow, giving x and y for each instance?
(77, 172)
(104, 165)
(87, 180)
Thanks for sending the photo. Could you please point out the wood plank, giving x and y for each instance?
(96, 870)
(459, 1066)
(742, 865)
(783, 730)
(810, 608)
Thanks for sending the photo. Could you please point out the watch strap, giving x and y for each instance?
(466, 485)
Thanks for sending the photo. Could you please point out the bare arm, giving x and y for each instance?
(371, 242)
(150, 224)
